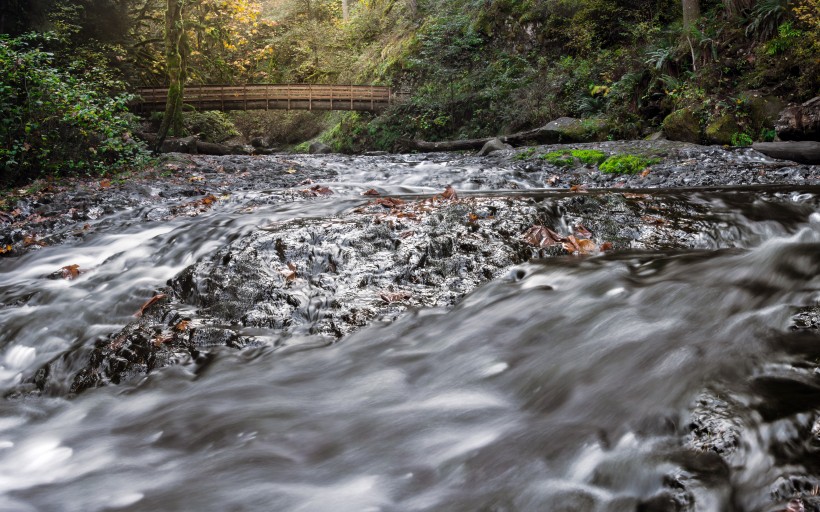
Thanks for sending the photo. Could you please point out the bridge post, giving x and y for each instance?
(310, 97)
(287, 93)
(222, 98)
(331, 97)
(351, 96)
(372, 101)
(267, 98)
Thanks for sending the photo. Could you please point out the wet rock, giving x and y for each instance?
(800, 122)
(318, 148)
(570, 129)
(492, 146)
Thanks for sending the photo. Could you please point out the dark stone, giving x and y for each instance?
(318, 148)
(800, 122)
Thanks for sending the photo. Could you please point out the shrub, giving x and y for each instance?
(54, 122)
(625, 164)
(742, 139)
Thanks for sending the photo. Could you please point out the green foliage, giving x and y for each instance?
(55, 122)
(741, 139)
(767, 134)
(209, 125)
(765, 18)
(626, 164)
(787, 37)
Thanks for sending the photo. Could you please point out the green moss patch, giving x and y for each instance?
(626, 164)
(571, 157)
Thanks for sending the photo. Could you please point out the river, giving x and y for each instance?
(677, 372)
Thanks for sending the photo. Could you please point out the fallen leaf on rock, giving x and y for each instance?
(290, 273)
(291, 171)
(70, 272)
(317, 190)
(580, 230)
(106, 183)
(542, 236)
(390, 297)
(578, 245)
(449, 193)
(208, 200)
(30, 240)
(150, 302)
(160, 339)
(606, 246)
(651, 219)
(371, 192)
(581, 189)
(194, 179)
(389, 202)
(182, 325)
(645, 173)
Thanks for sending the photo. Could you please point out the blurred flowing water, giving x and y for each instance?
(566, 385)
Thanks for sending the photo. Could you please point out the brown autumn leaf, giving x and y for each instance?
(542, 236)
(4, 249)
(208, 200)
(389, 202)
(290, 272)
(160, 339)
(371, 192)
(578, 245)
(391, 297)
(606, 246)
(150, 302)
(30, 240)
(106, 183)
(581, 189)
(70, 272)
(581, 230)
(406, 215)
(651, 219)
(449, 193)
(182, 325)
(645, 172)
(317, 190)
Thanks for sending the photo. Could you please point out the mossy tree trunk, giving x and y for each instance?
(175, 62)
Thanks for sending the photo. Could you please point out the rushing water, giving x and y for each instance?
(568, 384)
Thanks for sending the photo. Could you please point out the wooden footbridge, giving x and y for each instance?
(273, 96)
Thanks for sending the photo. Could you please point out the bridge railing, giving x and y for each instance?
(275, 96)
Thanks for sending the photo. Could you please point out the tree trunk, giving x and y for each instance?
(175, 62)
(345, 10)
(691, 12)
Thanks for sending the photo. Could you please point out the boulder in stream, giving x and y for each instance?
(493, 145)
(318, 148)
(800, 122)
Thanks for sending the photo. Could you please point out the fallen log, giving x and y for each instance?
(804, 152)
(564, 129)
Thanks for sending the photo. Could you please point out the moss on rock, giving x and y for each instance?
(721, 129)
(682, 125)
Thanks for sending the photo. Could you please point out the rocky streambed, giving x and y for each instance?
(418, 332)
